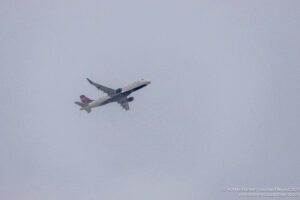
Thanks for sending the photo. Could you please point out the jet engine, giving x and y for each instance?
(119, 90)
(130, 99)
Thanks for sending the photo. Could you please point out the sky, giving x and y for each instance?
(222, 110)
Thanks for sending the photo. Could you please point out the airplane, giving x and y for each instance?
(119, 95)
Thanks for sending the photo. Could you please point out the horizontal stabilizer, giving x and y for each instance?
(87, 109)
(80, 104)
(83, 106)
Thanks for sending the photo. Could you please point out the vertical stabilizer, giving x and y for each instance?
(85, 99)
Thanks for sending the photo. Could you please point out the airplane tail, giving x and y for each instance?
(85, 99)
(84, 103)
(83, 106)
(87, 109)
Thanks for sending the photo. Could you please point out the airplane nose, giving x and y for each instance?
(148, 82)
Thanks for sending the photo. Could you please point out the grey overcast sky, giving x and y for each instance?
(222, 109)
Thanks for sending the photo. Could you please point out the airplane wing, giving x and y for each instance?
(124, 103)
(107, 90)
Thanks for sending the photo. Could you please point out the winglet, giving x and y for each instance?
(91, 82)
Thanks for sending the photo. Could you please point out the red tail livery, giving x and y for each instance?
(85, 99)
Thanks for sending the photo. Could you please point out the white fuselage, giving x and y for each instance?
(127, 90)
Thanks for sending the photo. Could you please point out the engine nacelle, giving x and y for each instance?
(130, 99)
(119, 90)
